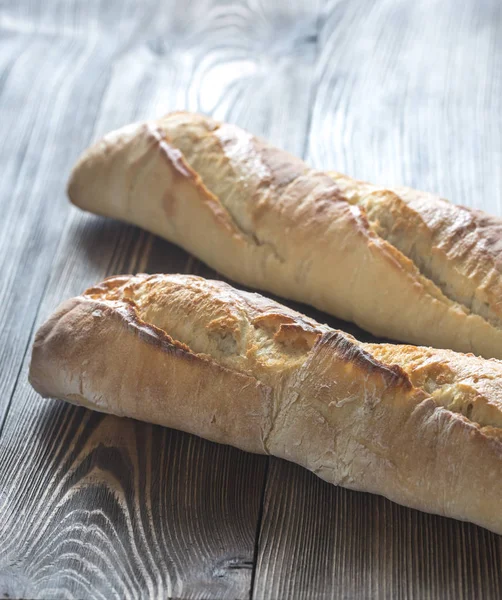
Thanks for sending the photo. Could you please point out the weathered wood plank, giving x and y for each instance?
(409, 93)
(100, 507)
(320, 541)
(111, 508)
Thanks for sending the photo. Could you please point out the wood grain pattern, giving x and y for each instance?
(92, 506)
(112, 508)
(416, 99)
(321, 541)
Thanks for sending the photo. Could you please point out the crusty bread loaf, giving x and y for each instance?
(420, 426)
(401, 264)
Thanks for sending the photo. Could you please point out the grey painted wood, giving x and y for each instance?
(410, 93)
(96, 507)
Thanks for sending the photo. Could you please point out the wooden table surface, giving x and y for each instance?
(97, 507)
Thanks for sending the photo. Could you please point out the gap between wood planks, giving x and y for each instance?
(308, 129)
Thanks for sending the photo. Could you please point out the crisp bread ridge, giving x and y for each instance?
(445, 231)
(240, 369)
(264, 218)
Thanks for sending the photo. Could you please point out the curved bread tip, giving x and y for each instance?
(102, 356)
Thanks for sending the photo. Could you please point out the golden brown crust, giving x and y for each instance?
(101, 355)
(413, 424)
(455, 247)
(462, 383)
(265, 219)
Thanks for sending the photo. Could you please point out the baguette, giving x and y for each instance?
(420, 426)
(399, 263)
